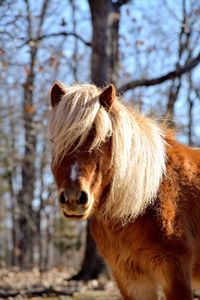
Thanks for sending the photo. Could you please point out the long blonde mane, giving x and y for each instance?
(138, 148)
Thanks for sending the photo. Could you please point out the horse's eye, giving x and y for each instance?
(51, 140)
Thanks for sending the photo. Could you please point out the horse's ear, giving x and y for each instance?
(107, 97)
(56, 94)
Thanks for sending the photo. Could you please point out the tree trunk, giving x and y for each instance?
(26, 194)
(92, 264)
(104, 70)
(172, 98)
(105, 23)
(26, 215)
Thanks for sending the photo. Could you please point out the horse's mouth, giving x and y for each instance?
(75, 217)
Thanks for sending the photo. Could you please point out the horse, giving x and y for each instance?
(137, 184)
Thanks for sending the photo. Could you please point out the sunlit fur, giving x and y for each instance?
(138, 185)
(138, 149)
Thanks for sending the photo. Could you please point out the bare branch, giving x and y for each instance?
(121, 2)
(42, 15)
(56, 34)
(28, 17)
(178, 72)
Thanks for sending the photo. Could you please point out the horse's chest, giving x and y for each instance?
(123, 249)
(128, 252)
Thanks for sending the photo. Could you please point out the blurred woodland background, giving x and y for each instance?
(149, 49)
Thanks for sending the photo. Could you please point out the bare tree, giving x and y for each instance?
(26, 222)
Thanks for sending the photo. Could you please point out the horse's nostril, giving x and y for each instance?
(62, 198)
(83, 198)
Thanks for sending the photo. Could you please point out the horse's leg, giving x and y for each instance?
(178, 291)
(177, 280)
(140, 291)
(136, 289)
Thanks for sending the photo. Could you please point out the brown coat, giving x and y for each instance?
(161, 249)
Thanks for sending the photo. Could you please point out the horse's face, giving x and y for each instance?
(83, 179)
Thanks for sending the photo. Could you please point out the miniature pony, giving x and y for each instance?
(139, 186)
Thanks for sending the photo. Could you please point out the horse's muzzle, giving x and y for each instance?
(81, 198)
(74, 203)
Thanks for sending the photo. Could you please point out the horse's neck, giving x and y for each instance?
(180, 187)
(111, 237)
(183, 160)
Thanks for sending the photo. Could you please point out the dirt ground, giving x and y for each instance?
(54, 284)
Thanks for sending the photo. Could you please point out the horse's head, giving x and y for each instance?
(80, 131)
